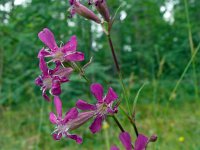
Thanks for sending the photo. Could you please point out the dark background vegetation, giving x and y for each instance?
(151, 39)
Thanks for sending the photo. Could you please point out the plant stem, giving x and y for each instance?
(118, 124)
(40, 124)
(191, 43)
(132, 121)
(106, 138)
(1, 68)
(113, 53)
(119, 72)
(81, 72)
(125, 93)
(184, 72)
(121, 80)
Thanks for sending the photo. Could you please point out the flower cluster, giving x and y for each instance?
(51, 80)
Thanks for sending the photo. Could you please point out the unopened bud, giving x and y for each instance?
(80, 120)
(153, 138)
(80, 9)
(102, 8)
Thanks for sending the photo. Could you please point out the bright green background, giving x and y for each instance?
(150, 50)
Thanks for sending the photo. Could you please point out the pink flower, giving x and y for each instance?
(62, 124)
(77, 7)
(51, 79)
(102, 8)
(65, 53)
(140, 143)
(103, 107)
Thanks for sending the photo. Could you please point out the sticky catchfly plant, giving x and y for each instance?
(103, 107)
(106, 105)
(65, 53)
(62, 126)
(51, 79)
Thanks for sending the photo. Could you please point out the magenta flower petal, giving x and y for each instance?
(43, 53)
(125, 138)
(43, 66)
(82, 105)
(71, 114)
(71, 45)
(47, 37)
(97, 91)
(75, 56)
(71, 2)
(38, 81)
(45, 95)
(58, 106)
(96, 125)
(77, 138)
(56, 89)
(52, 118)
(57, 136)
(111, 96)
(113, 110)
(114, 148)
(141, 142)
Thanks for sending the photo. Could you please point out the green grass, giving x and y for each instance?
(26, 126)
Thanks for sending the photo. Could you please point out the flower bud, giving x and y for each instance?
(153, 138)
(102, 8)
(80, 120)
(83, 11)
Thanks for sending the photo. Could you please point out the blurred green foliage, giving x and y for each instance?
(150, 48)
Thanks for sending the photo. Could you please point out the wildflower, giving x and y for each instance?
(65, 53)
(102, 8)
(140, 143)
(77, 7)
(62, 126)
(51, 79)
(103, 107)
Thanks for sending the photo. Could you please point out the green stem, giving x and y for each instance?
(1, 68)
(125, 93)
(119, 73)
(107, 139)
(184, 72)
(82, 73)
(40, 123)
(191, 48)
(132, 121)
